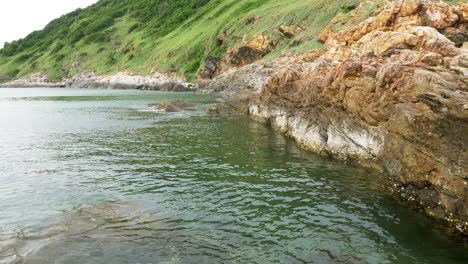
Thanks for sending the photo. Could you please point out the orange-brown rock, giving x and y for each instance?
(221, 39)
(210, 69)
(251, 20)
(390, 92)
(256, 48)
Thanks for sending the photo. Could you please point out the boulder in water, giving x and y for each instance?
(174, 106)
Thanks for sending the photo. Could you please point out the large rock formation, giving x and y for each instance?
(240, 68)
(127, 81)
(255, 49)
(389, 92)
(36, 80)
(249, 77)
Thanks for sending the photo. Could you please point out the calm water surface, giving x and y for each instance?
(93, 176)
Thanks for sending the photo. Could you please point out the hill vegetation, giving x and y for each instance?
(143, 36)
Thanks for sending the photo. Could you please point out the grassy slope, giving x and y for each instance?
(145, 35)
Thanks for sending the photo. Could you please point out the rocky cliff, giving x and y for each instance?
(389, 92)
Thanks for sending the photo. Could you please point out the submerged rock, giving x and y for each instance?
(391, 93)
(97, 228)
(174, 106)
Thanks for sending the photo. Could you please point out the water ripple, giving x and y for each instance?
(212, 190)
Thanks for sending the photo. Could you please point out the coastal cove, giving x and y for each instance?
(236, 131)
(97, 176)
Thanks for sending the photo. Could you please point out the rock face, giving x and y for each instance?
(239, 69)
(36, 80)
(255, 49)
(126, 81)
(250, 77)
(389, 93)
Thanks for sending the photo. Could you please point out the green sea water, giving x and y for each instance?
(94, 176)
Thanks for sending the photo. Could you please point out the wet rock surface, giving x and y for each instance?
(390, 92)
(87, 228)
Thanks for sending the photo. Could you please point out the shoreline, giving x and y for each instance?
(388, 93)
(156, 82)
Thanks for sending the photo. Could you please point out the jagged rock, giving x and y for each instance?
(210, 69)
(286, 32)
(35, 80)
(237, 103)
(244, 55)
(251, 20)
(157, 81)
(255, 49)
(174, 106)
(250, 77)
(391, 93)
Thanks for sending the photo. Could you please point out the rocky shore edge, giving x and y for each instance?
(389, 92)
(156, 82)
(35, 80)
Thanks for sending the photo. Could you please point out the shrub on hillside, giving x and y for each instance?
(100, 25)
(22, 58)
(76, 36)
(133, 28)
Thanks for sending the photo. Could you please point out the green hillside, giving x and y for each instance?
(161, 35)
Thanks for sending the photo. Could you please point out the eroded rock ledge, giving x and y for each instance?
(123, 80)
(390, 93)
(128, 81)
